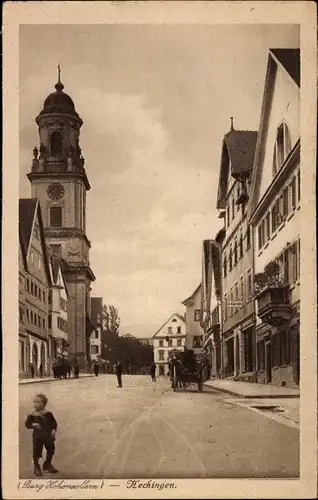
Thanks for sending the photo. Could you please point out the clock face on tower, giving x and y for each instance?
(55, 191)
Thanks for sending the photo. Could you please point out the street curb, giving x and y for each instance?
(257, 396)
(38, 381)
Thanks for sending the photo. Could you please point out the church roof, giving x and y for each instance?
(59, 102)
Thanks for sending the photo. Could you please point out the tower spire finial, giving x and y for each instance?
(59, 86)
(232, 126)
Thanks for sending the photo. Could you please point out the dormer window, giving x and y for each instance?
(282, 147)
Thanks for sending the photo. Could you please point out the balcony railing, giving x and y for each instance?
(273, 301)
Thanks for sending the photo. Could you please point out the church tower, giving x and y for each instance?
(58, 179)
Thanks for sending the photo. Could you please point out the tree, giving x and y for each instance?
(111, 319)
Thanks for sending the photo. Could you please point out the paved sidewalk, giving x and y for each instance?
(249, 390)
(284, 411)
(50, 379)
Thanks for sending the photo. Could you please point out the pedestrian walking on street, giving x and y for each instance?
(96, 369)
(153, 372)
(32, 370)
(44, 428)
(76, 370)
(119, 373)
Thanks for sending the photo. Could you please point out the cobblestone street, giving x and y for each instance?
(146, 430)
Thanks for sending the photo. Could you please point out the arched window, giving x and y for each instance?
(282, 147)
(56, 144)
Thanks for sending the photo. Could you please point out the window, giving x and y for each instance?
(174, 320)
(27, 314)
(94, 349)
(32, 257)
(56, 144)
(161, 355)
(40, 264)
(36, 290)
(55, 250)
(169, 330)
(160, 343)
(281, 148)
(32, 288)
(196, 342)
(298, 185)
(21, 314)
(233, 212)
(294, 263)
(197, 315)
(228, 215)
(179, 343)
(235, 253)
(268, 226)
(50, 296)
(43, 323)
(241, 247)
(242, 289)
(238, 195)
(230, 260)
(170, 343)
(230, 300)
(179, 329)
(224, 267)
(248, 238)
(56, 217)
(28, 284)
(261, 234)
(31, 316)
(225, 307)
(62, 304)
(43, 296)
(249, 284)
(293, 193)
(285, 202)
(50, 321)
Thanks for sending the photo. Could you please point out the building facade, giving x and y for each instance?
(58, 179)
(171, 336)
(275, 218)
(58, 324)
(238, 317)
(194, 331)
(34, 286)
(211, 300)
(96, 335)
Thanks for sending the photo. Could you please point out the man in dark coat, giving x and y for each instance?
(96, 369)
(119, 372)
(153, 372)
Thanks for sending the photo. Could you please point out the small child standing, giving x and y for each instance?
(44, 428)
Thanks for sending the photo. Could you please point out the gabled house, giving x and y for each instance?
(34, 285)
(171, 336)
(275, 217)
(58, 298)
(233, 198)
(211, 296)
(194, 331)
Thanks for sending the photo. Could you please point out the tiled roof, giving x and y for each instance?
(290, 60)
(27, 208)
(241, 146)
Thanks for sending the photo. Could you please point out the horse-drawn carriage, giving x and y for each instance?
(188, 368)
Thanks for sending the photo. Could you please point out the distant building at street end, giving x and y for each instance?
(96, 335)
(145, 340)
(211, 296)
(233, 198)
(170, 336)
(275, 218)
(194, 332)
(58, 297)
(34, 286)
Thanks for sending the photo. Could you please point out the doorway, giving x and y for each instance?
(229, 369)
(268, 363)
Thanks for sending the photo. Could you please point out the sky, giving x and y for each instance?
(156, 102)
